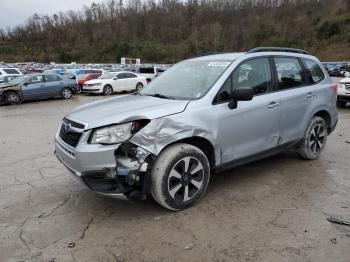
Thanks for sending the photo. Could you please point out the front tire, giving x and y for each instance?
(66, 93)
(314, 140)
(180, 176)
(12, 98)
(107, 90)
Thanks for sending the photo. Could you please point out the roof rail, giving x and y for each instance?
(278, 49)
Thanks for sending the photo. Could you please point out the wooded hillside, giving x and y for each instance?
(166, 31)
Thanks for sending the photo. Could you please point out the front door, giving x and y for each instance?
(253, 126)
(34, 88)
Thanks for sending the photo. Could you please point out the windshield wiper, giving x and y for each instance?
(160, 96)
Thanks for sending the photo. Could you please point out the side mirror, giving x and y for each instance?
(26, 83)
(115, 78)
(240, 94)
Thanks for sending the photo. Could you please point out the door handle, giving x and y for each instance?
(273, 105)
(310, 95)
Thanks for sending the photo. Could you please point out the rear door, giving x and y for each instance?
(121, 84)
(297, 97)
(132, 81)
(252, 127)
(34, 88)
(53, 85)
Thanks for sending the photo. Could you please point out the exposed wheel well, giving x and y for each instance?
(325, 115)
(204, 145)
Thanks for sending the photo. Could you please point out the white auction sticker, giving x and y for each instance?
(219, 63)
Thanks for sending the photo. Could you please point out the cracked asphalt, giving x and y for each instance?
(272, 210)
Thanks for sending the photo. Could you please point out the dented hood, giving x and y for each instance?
(125, 108)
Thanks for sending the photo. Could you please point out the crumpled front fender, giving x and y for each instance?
(161, 132)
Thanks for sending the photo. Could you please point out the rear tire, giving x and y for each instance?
(180, 176)
(12, 98)
(314, 140)
(66, 93)
(107, 90)
(139, 86)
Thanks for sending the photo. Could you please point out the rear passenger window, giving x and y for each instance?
(289, 72)
(314, 70)
(52, 78)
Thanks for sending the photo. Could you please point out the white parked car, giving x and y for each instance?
(114, 82)
(10, 71)
(343, 92)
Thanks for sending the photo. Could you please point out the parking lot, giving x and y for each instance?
(272, 210)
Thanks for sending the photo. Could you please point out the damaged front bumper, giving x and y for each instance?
(120, 171)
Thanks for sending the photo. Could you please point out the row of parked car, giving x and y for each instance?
(16, 87)
(337, 69)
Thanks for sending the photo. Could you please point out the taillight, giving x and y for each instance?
(334, 88)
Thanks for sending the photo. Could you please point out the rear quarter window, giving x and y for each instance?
(315, 72)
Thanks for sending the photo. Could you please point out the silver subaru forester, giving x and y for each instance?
(201, 116)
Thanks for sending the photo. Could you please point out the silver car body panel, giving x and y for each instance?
(253, 127)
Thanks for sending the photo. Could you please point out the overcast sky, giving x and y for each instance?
(14, 12)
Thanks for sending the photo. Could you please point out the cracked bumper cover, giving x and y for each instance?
(88, 160)
(99, 169)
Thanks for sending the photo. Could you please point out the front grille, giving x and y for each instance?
(68, 132)
(70, 137)
(73, 124)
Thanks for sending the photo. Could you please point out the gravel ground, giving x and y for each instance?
(272, 210)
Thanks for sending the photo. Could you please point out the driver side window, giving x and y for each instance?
(254, 73)
(36, 79)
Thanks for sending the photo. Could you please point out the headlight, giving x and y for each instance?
(112, 134)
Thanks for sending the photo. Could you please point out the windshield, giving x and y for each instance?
(186, 80)
(18, 80)
(107, 75)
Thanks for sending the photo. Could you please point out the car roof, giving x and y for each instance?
(221, 56)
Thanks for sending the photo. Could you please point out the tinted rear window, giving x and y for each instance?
(316, 74)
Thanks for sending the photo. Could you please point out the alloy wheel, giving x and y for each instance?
(12, 98)
(67, 93)
(317, 138)
(108, 90)
(139, 86)
(185, 179)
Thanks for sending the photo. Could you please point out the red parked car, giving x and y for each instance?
(81, 80)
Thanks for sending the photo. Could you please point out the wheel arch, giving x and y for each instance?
(202, 143)
(326, 116)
